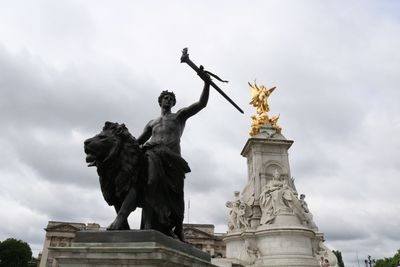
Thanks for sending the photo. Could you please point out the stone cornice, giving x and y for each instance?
(267, 141)
(200, 234)
(63, 227)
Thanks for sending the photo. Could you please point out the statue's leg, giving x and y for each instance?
(146, 217)
(142, 221)
(125, 225)
(129, 205)
(150, 194)
(117, 207)
(178, 231)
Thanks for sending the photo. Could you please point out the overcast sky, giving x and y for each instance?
(66, 67)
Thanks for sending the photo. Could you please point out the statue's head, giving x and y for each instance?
(165, 93)
(302, 196)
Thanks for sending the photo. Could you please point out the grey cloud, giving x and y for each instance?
(38, 94)
(209, 174)
(35, 103)
(342, 230)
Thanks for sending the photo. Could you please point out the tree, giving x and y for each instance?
(338, 255)
(389, 262)
(14, 253)
(386, 262)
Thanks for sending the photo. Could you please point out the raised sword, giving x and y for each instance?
(185, 59)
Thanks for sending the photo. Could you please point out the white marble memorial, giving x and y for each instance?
(269, 223)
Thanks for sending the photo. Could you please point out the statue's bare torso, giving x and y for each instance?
(167, 130)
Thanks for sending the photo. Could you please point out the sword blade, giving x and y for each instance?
(185, 59)
(225, 96)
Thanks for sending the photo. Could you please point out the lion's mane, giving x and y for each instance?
(117, 155)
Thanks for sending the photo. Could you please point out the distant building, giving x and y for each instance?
(202, 237)
(61, 234)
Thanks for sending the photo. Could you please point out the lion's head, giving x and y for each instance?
(115, 153)
(108, 144)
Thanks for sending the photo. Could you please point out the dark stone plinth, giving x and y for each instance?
(127, 249)
(135, 236)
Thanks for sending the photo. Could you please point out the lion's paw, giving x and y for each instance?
(119, 224)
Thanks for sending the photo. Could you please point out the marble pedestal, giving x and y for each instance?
(270, 224)
(127, 248)
(287, 244)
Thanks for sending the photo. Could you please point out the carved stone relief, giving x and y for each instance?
(251, 252)
(239, 213)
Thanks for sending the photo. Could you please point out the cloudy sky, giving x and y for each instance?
(66, 67)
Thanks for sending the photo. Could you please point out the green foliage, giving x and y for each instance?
(338, 255)
(14, 253)
(389, 262)
(386, 262)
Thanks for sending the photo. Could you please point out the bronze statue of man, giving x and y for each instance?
(163, 208)
(147, 172)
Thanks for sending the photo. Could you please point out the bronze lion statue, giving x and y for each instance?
(118, 157)
(122, 168)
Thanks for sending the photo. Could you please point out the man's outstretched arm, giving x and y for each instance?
(191, 110)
